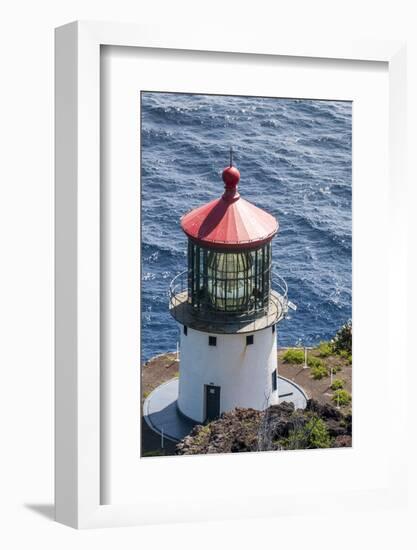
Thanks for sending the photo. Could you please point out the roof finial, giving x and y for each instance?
(231, 178)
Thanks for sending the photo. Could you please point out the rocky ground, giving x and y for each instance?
(279, 428)
(241, 430)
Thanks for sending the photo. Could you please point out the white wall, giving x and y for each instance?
(244, 373)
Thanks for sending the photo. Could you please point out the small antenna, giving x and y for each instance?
(231, 157)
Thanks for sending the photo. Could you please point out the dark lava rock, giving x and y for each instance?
(325, 411)
(347, 422)
(248, 430)
(335, 428)
(343, 441)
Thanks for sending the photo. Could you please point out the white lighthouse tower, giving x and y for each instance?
(228, 304)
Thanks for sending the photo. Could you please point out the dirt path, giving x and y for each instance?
(154, 372)
(158, 370)
(317, 389)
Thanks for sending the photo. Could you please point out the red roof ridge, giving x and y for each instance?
(229, 221)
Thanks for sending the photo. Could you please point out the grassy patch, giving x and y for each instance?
(314, 362)
(346, 355)
(294, 355)
(325, 349)
(342, 397)
(313, 435)
(338, 384)
(319, 372)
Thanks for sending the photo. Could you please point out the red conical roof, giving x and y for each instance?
(230, 221)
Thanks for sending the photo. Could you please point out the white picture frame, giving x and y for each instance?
(78, 405)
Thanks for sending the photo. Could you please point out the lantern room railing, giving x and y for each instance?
(207, 318)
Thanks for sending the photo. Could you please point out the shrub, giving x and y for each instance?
(342, 397)
(319, 372)
(346, 355)
(337, 384)
(313, 435)
(314, 362)
(325, 349)
(294, 355)
(318, 434)
(343, 339)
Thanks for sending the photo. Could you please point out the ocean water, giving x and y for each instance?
(295, 161)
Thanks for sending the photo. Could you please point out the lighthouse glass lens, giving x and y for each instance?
(230, 282)
(229, 279)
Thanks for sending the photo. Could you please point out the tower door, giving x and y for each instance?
(212, 402)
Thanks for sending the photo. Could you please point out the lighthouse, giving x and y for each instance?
(228, 304)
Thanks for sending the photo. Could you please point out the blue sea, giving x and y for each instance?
(295, 161)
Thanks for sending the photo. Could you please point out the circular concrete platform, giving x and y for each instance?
(161, 413)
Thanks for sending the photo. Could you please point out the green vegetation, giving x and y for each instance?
(156, 452)
(342, 397)
(203, 434)
(294, 355)
(313, 435)
(279, 428)
(346, 355)
(327, 355)
(342, 342)
(325, 349)
(319, 372)
(145, 394)
(318, 434)
(314, 362)
(337, 384)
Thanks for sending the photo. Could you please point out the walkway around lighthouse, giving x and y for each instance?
(162, 415)
(163, 370)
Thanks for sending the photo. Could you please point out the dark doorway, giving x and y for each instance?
(212, 402)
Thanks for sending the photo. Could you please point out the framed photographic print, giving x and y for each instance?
(224, 307)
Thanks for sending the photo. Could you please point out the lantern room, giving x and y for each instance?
(230, 282)
(229, 254)
(229, 279)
